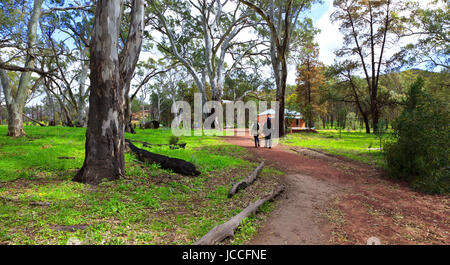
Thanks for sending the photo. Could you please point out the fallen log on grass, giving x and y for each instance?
(66, 157)
(69, 228)
(245, 182)
(152, 125)
(33, 120)
(220, 232)
(177, 165)
(145, 144)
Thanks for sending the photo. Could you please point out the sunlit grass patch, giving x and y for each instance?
(66, 190)
(354, 145)
(148, 206)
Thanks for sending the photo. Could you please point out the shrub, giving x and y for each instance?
(419, 151)
(173, 139)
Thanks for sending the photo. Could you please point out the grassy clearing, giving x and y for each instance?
(39, 204)
(354, 145)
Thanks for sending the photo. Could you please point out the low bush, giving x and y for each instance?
(419, 151)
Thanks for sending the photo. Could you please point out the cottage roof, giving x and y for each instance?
(287, 113)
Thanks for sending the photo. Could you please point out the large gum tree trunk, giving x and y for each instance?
(281, 99)
(104, 157)
(15, 121)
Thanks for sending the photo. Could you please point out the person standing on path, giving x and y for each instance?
(267, 129)
(255, 133)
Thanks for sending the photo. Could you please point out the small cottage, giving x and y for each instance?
(294, 119)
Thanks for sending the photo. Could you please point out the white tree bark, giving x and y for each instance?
(15, 103)
(104, 155)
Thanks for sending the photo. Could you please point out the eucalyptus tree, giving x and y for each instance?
(16, 97)
(146, 71)
(242, 84)
(143, 96)
(110, 71)
(21, 44)
(431, 27)
(62, 58)
(310, 77)
(51, 109)
(158, 93)
(285, 26)
(200, 34)
(349, 88)
(175, 77)
(369, 29)
(78, 25)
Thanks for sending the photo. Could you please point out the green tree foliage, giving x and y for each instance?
(12, 21)
(309, 116)
(431, 24)
(310, 76)
(136, 106)
(420, 151)
(369, 29)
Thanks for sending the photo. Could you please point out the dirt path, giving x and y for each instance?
(296, 219)
(332, 200)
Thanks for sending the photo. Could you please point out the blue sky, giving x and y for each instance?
(328, 39)
(318, 10)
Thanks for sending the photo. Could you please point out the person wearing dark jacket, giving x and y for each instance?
(268, 133)
(255, 133)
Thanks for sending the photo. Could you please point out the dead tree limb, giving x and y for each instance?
(69, 228)
(177, 165)
(220, 232)
(245, 182)
(66, 157)
(33, 120)
(146, 144)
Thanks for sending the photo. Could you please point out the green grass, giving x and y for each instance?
(149, 206)
(353, 145)
(38, 153)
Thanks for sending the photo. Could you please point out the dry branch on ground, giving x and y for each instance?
(245, 182)
(225, 230)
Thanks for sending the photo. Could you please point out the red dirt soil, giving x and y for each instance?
(334, 200)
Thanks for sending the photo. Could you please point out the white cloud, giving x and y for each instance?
(292, 74)
(329, 39)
